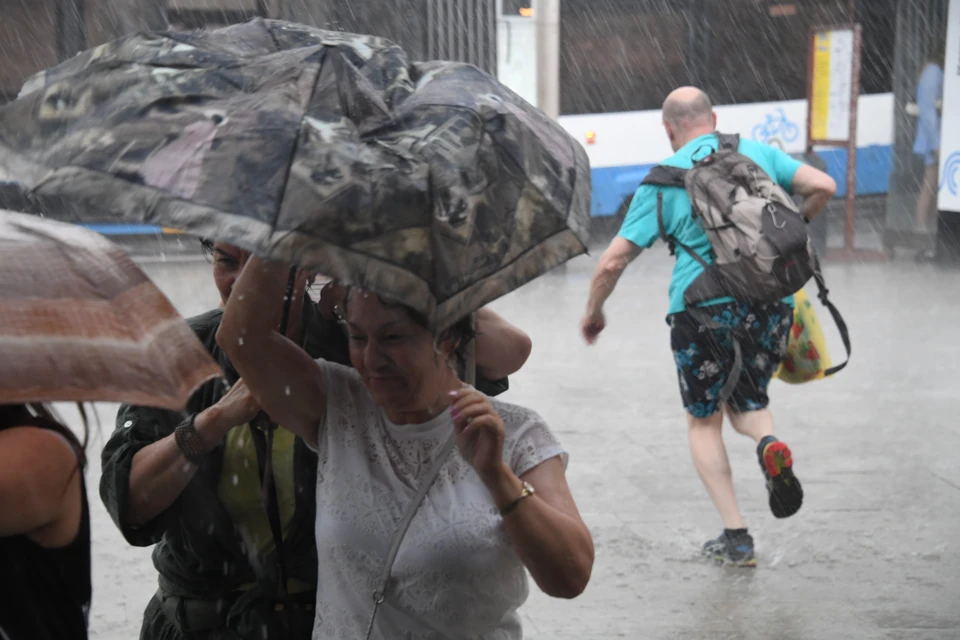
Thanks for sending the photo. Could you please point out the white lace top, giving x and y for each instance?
(456, 575)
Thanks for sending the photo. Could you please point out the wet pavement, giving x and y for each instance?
(875, 552)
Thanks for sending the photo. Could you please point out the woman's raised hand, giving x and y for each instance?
(480, 432)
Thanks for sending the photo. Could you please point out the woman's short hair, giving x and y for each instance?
(460, 333)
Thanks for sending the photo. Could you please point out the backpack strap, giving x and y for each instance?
(664, 176)
(728, 141)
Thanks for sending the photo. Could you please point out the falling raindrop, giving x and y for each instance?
(240, 341)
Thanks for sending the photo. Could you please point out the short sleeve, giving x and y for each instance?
(528, 440)
(640, 225)
(346, 399)
(784, 168)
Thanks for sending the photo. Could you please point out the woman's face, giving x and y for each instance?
(228, 262)
(395, 355)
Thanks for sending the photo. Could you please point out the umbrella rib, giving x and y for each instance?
(296, 145)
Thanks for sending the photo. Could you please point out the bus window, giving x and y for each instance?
(621, 55)
(755, 54)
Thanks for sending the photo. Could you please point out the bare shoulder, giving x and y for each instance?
(44, 448)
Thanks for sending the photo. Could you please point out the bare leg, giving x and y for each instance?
(710, 459)
(753, 424)
(927, 197)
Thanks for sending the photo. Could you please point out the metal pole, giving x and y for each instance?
(471, 33)
(495, 9)
(812, 42)
(461, 29)
(547, 16)
(852, 141)
(71, 31)
(448, 52)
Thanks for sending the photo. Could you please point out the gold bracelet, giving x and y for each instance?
(526, 493)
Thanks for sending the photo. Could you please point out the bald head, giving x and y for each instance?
(687, 113)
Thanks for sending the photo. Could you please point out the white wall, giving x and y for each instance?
(637, 137)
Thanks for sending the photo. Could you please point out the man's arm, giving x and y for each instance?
(611, 266)
(816, 187)
(501, 347)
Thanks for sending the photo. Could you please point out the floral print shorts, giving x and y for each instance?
(704, 358)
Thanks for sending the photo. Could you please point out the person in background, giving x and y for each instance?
(704, 357)
(192, 484)
(926, 144)
(45, 588)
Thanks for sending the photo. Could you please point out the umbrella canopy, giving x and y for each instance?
(431, 183)
(82, 323)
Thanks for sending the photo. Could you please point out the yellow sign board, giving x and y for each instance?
(831, 97)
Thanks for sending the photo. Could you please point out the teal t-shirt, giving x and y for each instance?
(640, 226)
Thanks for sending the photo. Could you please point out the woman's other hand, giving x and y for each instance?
(480, 432)
(236, 407)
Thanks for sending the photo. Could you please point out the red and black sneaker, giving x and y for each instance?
(786, 494)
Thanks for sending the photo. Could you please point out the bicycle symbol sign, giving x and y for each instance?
(776, 125)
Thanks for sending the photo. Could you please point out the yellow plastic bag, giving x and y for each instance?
(807, 356)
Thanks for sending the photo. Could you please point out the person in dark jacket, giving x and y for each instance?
(192, 484)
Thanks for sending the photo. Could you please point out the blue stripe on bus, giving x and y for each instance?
(612, 185)
(124, 229)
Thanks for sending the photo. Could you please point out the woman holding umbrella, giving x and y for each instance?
(191, 484)
(500, 502)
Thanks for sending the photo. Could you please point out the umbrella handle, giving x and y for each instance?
(288, 300)
(470, 373)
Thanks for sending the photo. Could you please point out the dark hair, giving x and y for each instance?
(43, 417)
(461, 332)
(206, 248)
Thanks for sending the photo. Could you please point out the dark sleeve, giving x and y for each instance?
(137, 427)
(492, 387)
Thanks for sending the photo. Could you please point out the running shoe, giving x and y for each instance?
(734, 551)
(786, 494)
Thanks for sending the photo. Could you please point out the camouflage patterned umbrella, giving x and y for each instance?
(426, 182)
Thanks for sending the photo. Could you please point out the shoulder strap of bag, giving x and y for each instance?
(263, 443)
(665, 176)
(822, 294)
(411, 510)
(728, 141)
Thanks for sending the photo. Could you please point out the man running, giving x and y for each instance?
(704, 357)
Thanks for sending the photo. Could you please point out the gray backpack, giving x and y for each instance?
(762, 252)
